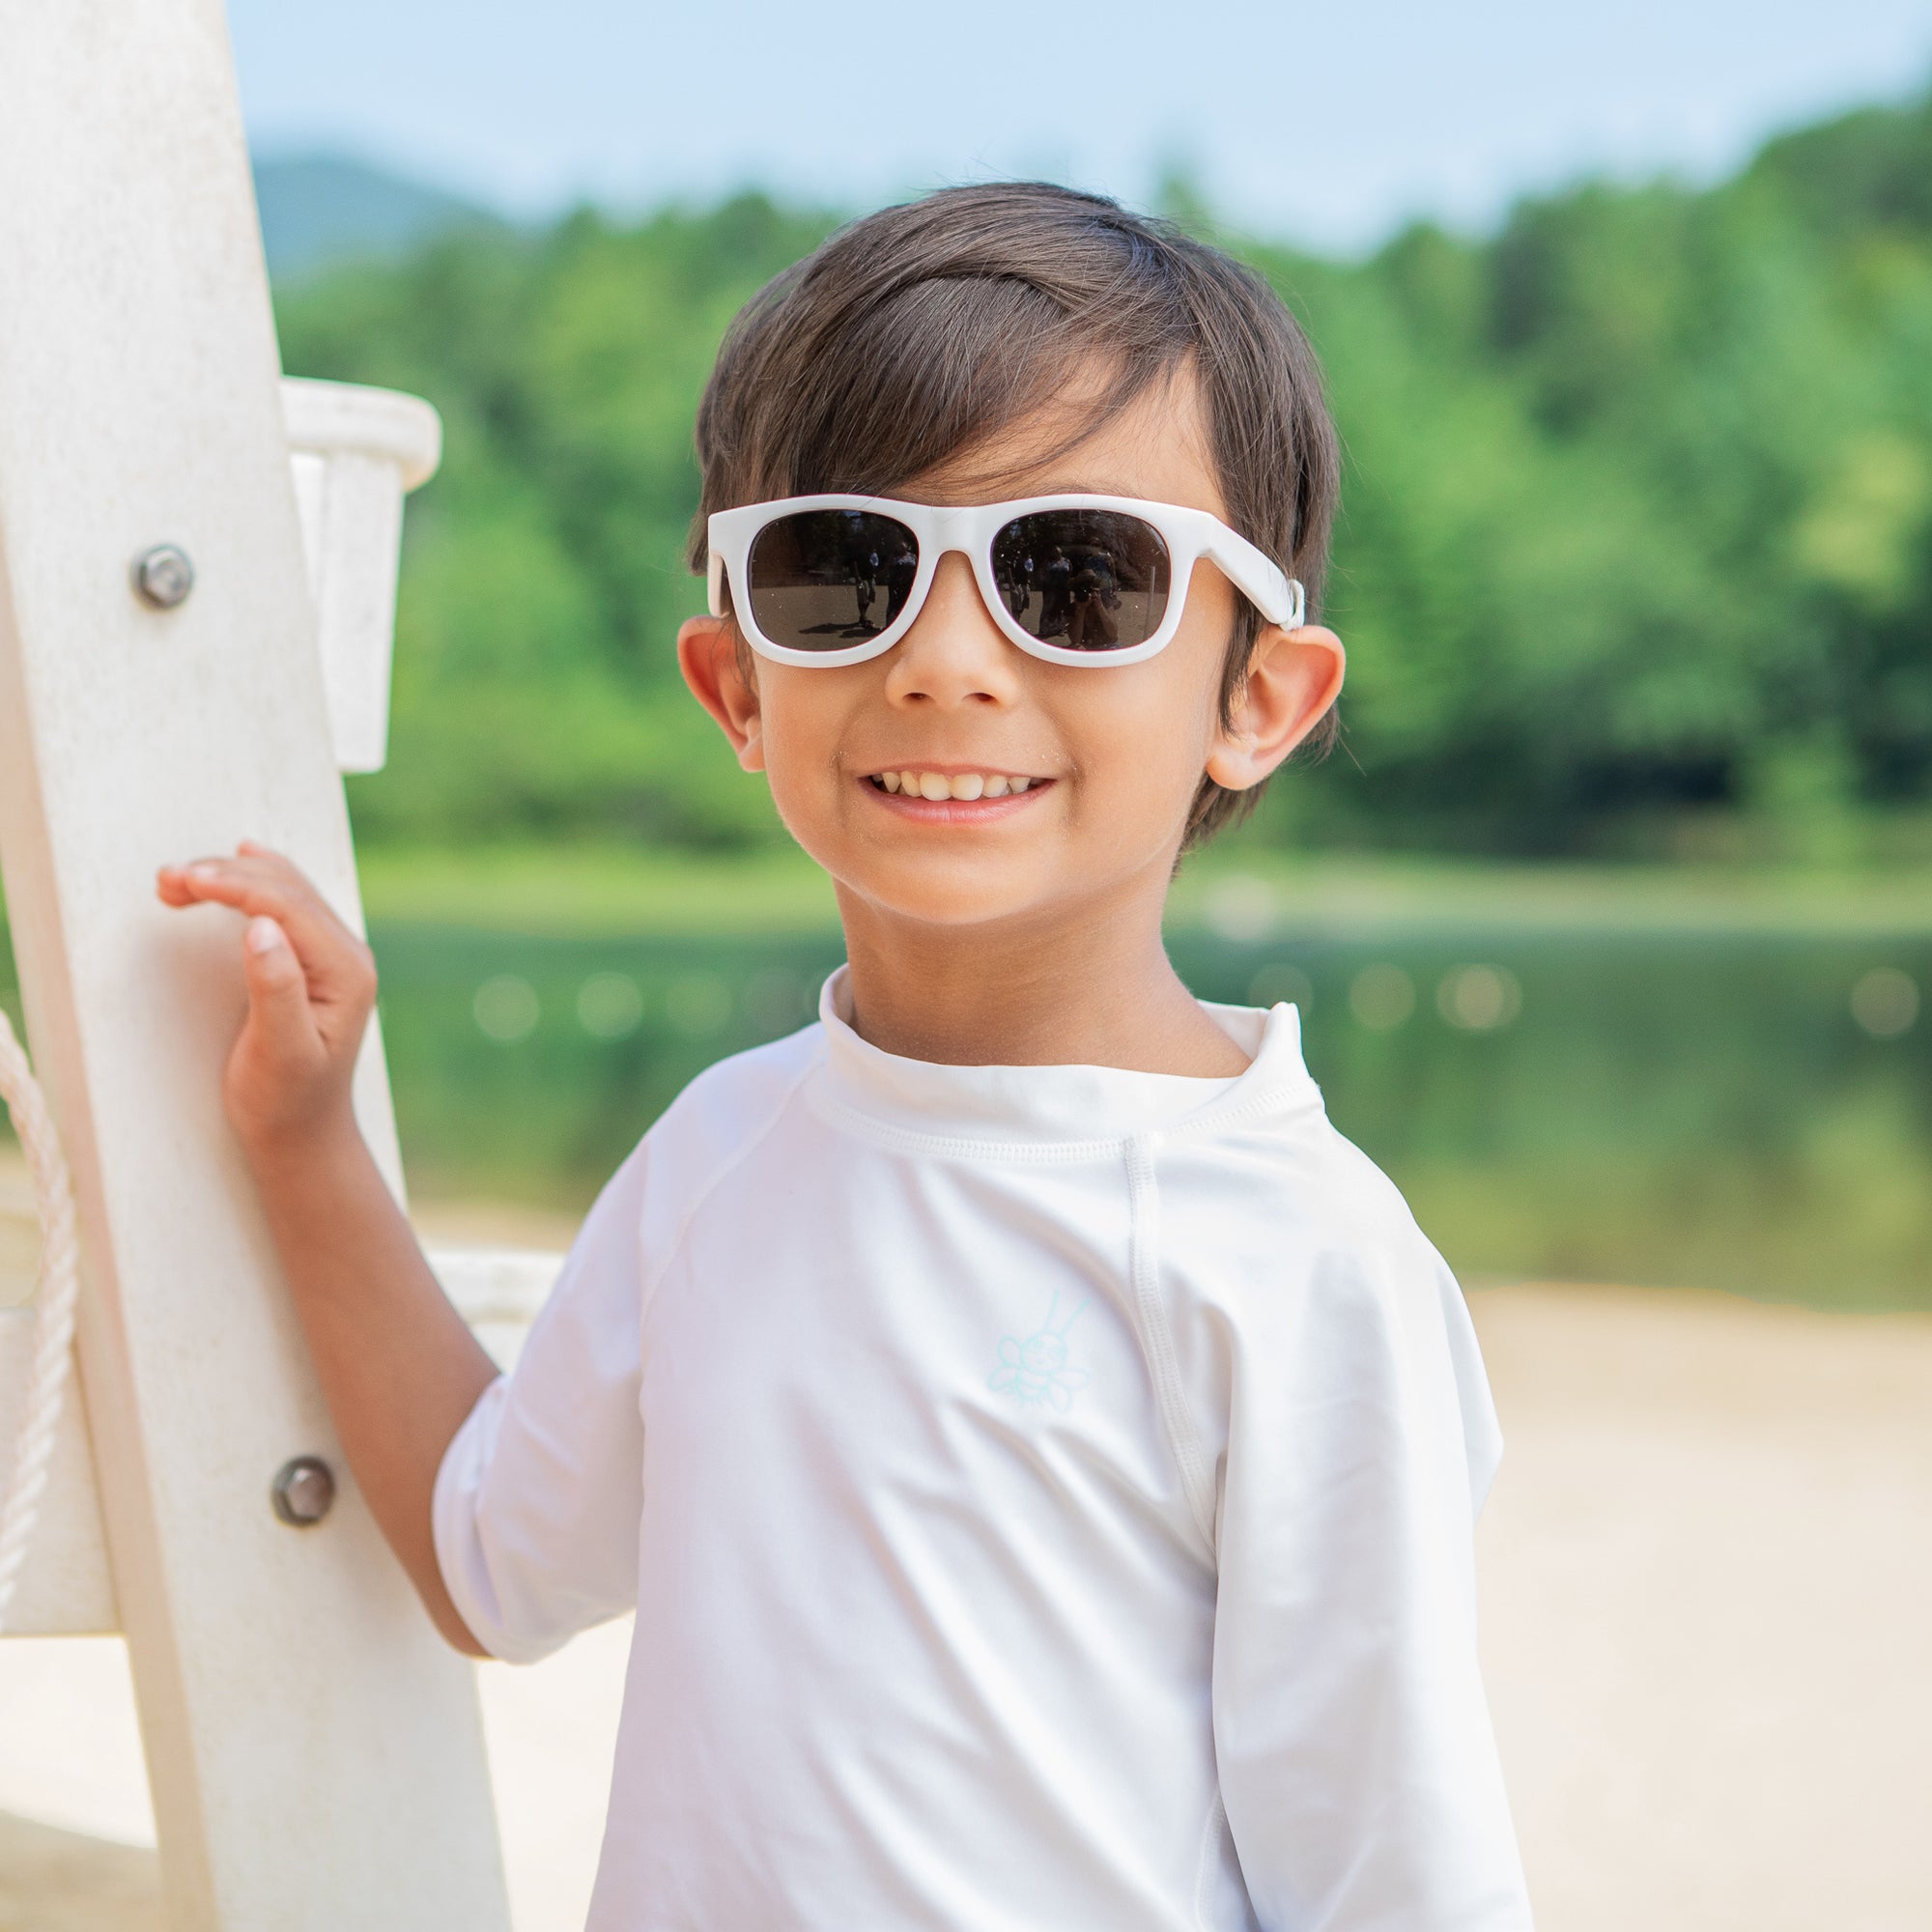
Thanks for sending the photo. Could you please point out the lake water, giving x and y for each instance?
(1737, 1112)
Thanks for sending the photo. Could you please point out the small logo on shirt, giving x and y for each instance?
(1034, 1369)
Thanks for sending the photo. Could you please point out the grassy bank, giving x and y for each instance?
(592, 889)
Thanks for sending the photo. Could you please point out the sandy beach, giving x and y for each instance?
(1705, 1569)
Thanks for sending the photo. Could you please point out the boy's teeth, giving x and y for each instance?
(938, 785)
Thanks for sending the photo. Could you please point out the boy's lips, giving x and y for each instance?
(938, 783)
(952, 794)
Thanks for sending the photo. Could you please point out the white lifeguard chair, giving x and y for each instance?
(314, 1752)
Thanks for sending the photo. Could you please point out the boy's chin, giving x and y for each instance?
(960, 895)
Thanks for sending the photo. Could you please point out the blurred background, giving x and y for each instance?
(1611, 918)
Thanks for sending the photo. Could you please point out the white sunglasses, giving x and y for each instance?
(1072, 579)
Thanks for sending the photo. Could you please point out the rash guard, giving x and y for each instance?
(1046, 1495)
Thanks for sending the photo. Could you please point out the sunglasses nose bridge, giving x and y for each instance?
(969, 531)
(947, 656)
(944, 531)
(950, 529)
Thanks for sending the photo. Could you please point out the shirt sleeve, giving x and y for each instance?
(539, 1494)
(1358, 1766)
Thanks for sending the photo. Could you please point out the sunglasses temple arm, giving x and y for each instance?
(1278, 597)
(714, 583)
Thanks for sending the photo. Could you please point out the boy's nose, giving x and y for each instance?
(954, 653)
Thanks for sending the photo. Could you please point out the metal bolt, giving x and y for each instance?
(303, 1490)
(163, 576)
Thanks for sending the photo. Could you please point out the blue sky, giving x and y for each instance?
(1328, 124)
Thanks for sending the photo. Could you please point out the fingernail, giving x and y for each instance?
(200, 869)
(264, 935)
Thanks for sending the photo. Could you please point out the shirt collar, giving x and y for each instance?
(1058, 1105)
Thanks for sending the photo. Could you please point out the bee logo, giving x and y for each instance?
(1034, 1369)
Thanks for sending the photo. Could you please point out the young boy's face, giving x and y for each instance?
(1114, 754)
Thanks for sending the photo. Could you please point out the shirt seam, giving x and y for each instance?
(675, 1248)
(1157, 1336)
(1205, 1863)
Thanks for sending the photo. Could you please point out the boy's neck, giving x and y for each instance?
(1076, 986)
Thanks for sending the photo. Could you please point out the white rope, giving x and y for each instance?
(55, 1293)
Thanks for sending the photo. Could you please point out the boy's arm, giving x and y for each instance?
(399, 1367)
(1357, 1763)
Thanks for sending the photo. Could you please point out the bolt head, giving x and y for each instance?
(303, 1491)
(163, 577)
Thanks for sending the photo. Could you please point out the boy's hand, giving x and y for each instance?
(311, 986)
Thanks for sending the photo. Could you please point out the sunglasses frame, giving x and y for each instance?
(970, 528)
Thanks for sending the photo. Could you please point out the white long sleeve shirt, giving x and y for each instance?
(1046, 1497)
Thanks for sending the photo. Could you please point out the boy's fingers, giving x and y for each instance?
(222, 874)
(261, 859)
(204, 879)
(266, 886)
(278, 988)
(337, 969)
(226, 879)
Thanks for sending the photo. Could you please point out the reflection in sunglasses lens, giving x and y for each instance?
(827, 579)
(1083, 579)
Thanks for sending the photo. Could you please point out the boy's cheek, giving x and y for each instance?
(805, 793)
(1144, 761)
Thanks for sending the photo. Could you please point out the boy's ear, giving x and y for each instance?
(708, 656)
(1294, 677)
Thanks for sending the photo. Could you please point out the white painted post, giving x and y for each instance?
(315, 1754)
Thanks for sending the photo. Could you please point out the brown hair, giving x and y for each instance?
(911, 338)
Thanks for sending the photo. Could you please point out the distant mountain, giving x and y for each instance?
(319, 210)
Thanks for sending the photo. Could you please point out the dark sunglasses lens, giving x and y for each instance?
(1083, 579)
(827, 579)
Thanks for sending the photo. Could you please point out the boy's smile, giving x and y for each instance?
(940, 794)
(970, 799)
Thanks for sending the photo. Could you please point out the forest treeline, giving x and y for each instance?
(1636, 533)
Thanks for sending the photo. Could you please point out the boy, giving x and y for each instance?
(1040, 1452)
